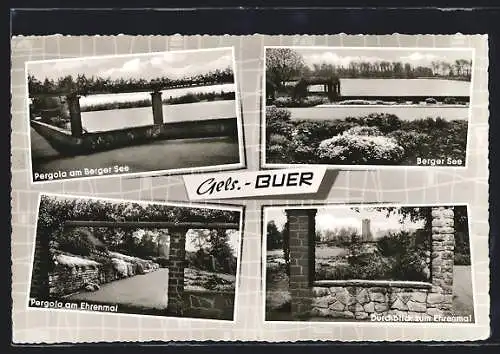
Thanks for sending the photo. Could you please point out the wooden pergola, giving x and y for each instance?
(177, 252)
(330, 84)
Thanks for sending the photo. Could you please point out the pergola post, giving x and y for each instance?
(75, 115)
(331, 93)
(157, 107)
(177, 256)
(301, 223)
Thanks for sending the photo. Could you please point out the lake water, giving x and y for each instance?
(134, 117)
(405, 112)
(400, 87)
(90, 100)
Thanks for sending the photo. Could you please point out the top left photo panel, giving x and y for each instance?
(145, 114)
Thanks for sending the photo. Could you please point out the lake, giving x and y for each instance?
(403, 112)
(134, 117)
(400, 87)
(91, 100)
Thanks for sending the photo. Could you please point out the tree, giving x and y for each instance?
(274, 238)
(282, 64)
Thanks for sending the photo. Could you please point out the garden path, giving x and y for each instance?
(154, 156)
(143, 291)
(40, 148)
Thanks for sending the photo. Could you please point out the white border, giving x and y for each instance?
(263, 139)
(341, 322)
(239, 208)
(190, 170)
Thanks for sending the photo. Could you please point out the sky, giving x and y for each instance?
(338, 217)
(416, 57)
(171, 64)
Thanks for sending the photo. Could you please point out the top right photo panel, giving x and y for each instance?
(366, 107)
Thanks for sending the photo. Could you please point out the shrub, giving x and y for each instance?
(283, 102)
(450, 100)
(121, 267)
(76, 241)
(462, 259)
(410, 140)
(278, 139)
(278, 121)
(360, 149)
(409, 266)
(364, 130)
(384, 121)
(310, 101)
(278, 114)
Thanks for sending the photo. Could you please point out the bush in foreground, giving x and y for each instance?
(360, 149)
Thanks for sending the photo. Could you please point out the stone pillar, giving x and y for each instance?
(442, 255)
(157, 107)
(40, 286)
(177, 259)
(301, 223)
(75, 115)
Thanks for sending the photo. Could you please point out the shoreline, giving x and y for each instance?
(388, 105)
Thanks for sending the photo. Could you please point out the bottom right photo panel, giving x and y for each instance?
(368, 263)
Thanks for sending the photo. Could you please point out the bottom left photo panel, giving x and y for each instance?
(136, 257)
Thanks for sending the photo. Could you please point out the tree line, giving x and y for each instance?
(83, 85)
(285, 64)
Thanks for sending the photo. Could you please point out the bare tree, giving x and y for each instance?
(282, 64)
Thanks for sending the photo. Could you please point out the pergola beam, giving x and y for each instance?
(152, 224)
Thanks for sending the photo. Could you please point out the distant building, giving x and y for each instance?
(366, 234)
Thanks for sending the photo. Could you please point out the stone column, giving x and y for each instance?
(442, 254)
(157, 107)
(301, 224)
(177, 259)
(75, 115)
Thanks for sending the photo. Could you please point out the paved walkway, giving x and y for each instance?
(40, 148)
(154, 156)
(147, 291)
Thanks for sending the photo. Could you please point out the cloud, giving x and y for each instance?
(420, 57)
(335, 59)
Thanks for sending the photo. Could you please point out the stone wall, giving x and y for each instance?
(66, 144)
(209, 304)
(358, 299)
(65, 280)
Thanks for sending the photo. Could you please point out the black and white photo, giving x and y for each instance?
(366, 106)
(375, 263)
(157, 113)
(131, 257)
